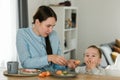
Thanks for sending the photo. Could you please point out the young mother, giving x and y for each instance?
(38, 46)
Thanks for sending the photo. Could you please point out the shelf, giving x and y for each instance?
(70, 29)
(67, 28)
(68, 50)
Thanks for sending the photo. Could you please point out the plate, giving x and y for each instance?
(29, 71)
(21, 73)
(68, 75)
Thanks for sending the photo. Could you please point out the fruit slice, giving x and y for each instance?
(59, 72)
(65, 72)
(77, 62)
(44, 74)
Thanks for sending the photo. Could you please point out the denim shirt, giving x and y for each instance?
(31, 49)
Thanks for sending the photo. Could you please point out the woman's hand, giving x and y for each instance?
(57, 59)
(72, 64)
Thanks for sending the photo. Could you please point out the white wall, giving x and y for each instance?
(34, 4)
(99, 21)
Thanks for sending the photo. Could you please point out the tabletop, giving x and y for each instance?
(78, 77)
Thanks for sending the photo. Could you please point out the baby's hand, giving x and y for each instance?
(91, 64)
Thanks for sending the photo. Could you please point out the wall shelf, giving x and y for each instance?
(66, 28)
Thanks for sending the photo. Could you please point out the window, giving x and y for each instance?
(8, 27)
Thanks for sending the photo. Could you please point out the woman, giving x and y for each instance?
(31, 45)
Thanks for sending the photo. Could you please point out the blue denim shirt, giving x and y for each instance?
(32, 52)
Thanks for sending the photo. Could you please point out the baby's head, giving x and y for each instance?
(93, 54)
(97, 49)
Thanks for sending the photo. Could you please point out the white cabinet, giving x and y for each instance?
(66, 28)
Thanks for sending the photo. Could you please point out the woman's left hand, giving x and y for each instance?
(71, 64)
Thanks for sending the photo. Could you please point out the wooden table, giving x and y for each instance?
(78, 77)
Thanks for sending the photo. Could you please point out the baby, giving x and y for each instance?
(92, 59)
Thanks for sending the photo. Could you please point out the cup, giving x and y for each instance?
(12, 67)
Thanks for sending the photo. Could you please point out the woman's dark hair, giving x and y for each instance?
(43, 13)
(99, 50)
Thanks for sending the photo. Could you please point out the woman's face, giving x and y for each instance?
(44, 28)
(92, 56)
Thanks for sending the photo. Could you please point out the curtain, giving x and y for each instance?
(8, 28)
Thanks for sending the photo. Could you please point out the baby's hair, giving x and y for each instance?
(99, 50)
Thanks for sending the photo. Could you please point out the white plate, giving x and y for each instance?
(22, 73)
(29, 71)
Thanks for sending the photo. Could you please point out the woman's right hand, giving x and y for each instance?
(57, 59)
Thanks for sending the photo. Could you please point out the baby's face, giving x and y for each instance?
(92, 56)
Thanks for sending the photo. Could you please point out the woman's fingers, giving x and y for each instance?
(71, 64)
(58, 60)
(62, 60)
